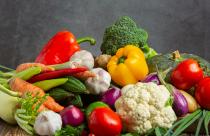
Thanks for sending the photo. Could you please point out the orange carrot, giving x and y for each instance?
(25, 66)
(84, 75)
(23, 87)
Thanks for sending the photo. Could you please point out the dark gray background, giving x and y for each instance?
(26, 25)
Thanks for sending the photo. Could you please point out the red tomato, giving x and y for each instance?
(186, 74)
(202, 93)
(104, 122)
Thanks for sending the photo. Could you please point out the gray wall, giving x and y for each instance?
(26, 25)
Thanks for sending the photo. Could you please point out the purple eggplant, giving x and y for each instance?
(180, 105)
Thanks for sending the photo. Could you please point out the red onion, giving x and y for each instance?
(153, 77)
(111, 95)
(72, 115)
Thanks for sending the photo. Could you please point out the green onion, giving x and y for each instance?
(187, 122)
(206, 122)
(6, 68)
(182, 121)
(200, 124)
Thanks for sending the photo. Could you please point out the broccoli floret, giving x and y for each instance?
(124, 32)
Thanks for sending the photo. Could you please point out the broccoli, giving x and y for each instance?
(124, 32)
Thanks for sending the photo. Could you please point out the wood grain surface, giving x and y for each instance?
(10, 130)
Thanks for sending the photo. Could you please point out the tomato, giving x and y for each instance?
(104, 122)
(202, 93)
(186, 74)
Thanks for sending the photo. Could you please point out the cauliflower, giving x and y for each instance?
(142, 107)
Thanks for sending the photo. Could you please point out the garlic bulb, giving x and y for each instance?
(82, 58)
(100, 83)
(47, 123)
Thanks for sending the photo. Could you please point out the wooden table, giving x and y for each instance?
(10, 130)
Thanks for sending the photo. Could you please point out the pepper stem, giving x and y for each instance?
(121, 59)
(91, 40)
(9, 92)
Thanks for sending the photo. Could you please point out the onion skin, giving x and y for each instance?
(153, 77)
(110, 96)
(180, 105)
(192, 104)
(72, 115)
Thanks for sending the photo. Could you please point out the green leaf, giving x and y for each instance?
(169, 102)
(206, 122)
(157, 132)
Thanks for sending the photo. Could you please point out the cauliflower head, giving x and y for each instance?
(142, 107)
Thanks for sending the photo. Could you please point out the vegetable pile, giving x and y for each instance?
(128, 90)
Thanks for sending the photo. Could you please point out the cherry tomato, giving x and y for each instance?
(186, 74)
(202, 93)
(104, 122)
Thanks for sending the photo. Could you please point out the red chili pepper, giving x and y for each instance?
(60, 48)
(56, 74)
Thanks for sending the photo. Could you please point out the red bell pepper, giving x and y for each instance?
(60, 48)
(56, 74)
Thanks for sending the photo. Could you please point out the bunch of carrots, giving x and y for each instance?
(18, 84)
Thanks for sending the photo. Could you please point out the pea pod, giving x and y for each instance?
(28, 73)
(49, 84)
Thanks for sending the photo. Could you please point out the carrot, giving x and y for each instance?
(19, 85)
(25, 66)
(84, 75)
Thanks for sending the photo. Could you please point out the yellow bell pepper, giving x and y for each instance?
(128, 66)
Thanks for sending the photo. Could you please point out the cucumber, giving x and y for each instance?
(59, 94)
(74, 85)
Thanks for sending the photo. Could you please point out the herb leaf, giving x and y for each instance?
(70, 131)
(28, 111)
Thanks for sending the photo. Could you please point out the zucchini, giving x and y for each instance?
(74, 85)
